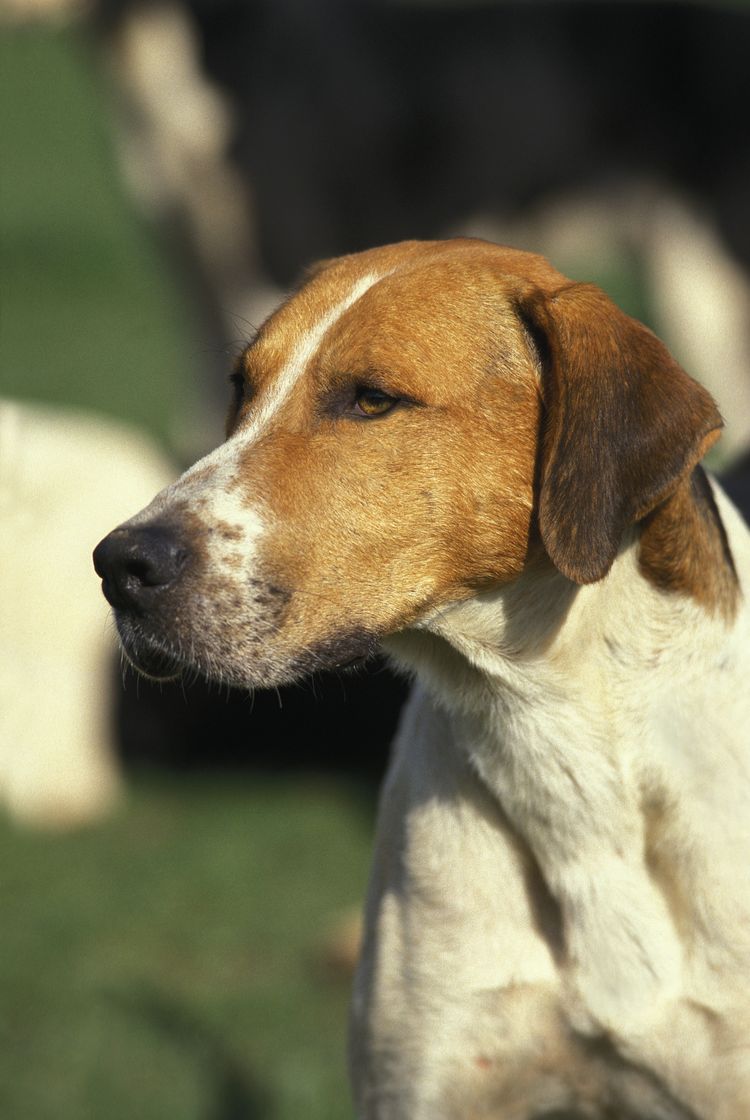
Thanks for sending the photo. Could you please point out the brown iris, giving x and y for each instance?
(373, 402)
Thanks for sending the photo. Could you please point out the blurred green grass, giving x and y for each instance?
(167, 964)
(164, 964)
(88, 313)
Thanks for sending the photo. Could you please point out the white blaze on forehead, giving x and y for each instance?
(297, 362)
(211, 483)
(222, 459)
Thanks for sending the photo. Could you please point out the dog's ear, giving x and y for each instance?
(623, 423)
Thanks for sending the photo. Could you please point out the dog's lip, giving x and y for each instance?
(149, 660)
(153, 664)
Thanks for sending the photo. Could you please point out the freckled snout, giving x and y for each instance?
(138, 564)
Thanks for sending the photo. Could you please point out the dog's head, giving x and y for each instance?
(406, 430)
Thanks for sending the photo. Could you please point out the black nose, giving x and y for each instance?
(137, 563)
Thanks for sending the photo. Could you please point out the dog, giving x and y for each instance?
(451, 451)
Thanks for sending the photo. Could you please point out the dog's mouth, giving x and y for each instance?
(147, 657)
(153, 664)
(252, 660)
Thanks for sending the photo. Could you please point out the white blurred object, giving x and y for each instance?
(56, 11)
(175, 132)
(702, 303)
(66, 479)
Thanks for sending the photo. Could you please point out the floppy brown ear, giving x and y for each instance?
(623, 424)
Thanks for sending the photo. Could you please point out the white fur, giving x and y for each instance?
(554, 740)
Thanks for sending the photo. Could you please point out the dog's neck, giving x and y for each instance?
(564, 699)
(500, 645)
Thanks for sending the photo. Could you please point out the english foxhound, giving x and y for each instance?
(451, 450)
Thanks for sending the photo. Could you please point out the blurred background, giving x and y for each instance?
(181, 869)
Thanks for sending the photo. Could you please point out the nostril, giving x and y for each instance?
(136, 562)
(157, 567)
(142, 570)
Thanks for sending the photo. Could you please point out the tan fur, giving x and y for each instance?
(383, 517)
(684, 549)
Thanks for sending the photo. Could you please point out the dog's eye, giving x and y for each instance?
(240, 394)
(238, 388)
(373, 402)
